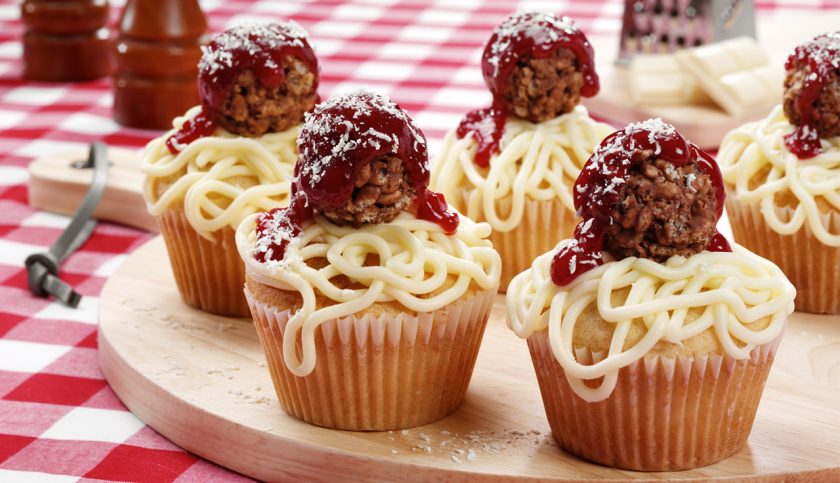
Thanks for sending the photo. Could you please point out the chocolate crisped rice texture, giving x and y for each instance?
(251, 109)
(382, 191)
(826, 108)
(542, 89)
(663, 210)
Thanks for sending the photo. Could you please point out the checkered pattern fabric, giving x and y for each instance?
(59, 420)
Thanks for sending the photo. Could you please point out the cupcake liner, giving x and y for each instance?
(376, 373)
(544, 224)
(665, 414)
(209, 274)
(812, 267)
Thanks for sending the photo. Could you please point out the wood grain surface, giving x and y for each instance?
(56, 186)
(201, 381)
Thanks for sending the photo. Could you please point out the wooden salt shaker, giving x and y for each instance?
(157, 53)
(65, 40)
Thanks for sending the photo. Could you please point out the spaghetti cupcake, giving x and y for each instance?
(230, 157)
(369, 295)
(783, 177)
(513, 164)
(651, 337)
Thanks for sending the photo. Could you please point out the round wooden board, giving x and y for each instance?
(201, 381)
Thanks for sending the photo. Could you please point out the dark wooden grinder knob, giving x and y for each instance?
(65, 40)
(156, 61)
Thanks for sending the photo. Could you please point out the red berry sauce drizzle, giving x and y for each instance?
(598, 189)
(341, 137)
(261, 48)
(534, 34)
(822, 57)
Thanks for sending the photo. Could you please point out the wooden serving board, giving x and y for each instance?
(201, 381)
(56, 186)
(704, 125)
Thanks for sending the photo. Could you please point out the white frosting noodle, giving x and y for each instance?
(733, 290)
(532, 162)
(758, 145)
(416, 260)
(211, 195)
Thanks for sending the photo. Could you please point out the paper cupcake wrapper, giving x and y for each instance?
(379, 373)
(812, 267)
(665, 414)
(209, 273)
(544, 224)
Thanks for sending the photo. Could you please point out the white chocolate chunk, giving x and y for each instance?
(657, 79)
(734, 73)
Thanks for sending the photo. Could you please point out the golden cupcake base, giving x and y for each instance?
(209, 273)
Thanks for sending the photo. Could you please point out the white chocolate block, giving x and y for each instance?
(657, 79)
(734, 73)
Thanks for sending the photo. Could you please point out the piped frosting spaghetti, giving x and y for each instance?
(417, 265)
(220, 179)
(758, 166)
(535, 162)
(733, 291)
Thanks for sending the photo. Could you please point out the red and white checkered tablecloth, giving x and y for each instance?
(59, 420)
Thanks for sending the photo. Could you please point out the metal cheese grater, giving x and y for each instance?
(659, 26)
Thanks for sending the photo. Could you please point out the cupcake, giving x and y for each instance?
(230, 157)
(513, 164)
(369, 294)
(650, 335)
(782, 174)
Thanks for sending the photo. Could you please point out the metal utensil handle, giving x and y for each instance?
(42, 268)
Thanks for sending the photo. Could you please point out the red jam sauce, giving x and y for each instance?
(529, 34)
(340, 138)
(598, 189)
(344, 134)
(277, 228)
(487, 125)
(198, 127)
(822, 57)
(261, 48)
(431, 206)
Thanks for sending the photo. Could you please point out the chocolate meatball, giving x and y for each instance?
(252, 109)
(538, 65)
(382, 191)
(654, 193)
(255, 79)
(361, 159)
(541, 89)
(823, 108)
(662, 210)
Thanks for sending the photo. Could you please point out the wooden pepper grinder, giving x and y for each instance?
(65, 40)
(157, 53)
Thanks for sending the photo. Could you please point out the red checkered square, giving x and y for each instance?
(9, 322)
(55, 389)
(12, 212)
(122, 465)
(59, 457)
(48, 331)
(17, 193)
(78, 362)
(11, 380)
(203, 471)
(89, 341)
(105, 399)
(29, 419)
(11, 444)
(151, 439)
